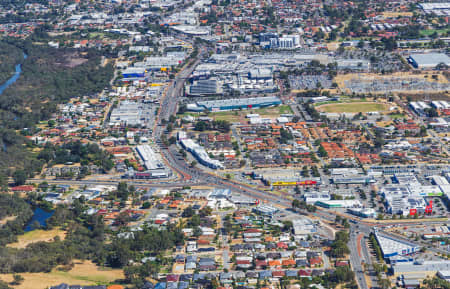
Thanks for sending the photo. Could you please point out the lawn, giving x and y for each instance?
(428, 32)
(83, 273)
(37, 236)
(354, 107)
(236, 115)
(397, 116)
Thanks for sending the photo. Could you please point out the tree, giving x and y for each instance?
(4, 285)
(322, 152)
(18, 279)
(201, 126)
(389, 43)
(205, 211)
(20, 177)
(197, 231)
(122, 191)
(188, 212)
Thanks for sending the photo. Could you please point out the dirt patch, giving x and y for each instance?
(353, 107)
(37, 236)
(83, 273)
(398, 77)
(7, 219)
(397, 14)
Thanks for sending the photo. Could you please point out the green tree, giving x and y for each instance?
(17, 279)
(20, 177)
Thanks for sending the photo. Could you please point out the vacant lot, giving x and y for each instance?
(397, 14)
(37, 236)
(83, 273)
(353, 107)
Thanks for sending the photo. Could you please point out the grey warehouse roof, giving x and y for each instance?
(237, 101)
(430, 59)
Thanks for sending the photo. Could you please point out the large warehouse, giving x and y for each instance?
(392, 247)
(234, 104)
(428, 60)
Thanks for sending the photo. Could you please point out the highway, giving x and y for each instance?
(355, 259)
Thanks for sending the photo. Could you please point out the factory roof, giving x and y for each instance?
(423, 266)
(238, 101)
(430, 59)
(392, 247)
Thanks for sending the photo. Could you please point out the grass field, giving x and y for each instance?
(83, 273)
(354, 107)
(37, 236)
(428, 32)
(236, 115)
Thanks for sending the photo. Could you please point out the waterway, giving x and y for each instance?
(14, 77)
(41, 217)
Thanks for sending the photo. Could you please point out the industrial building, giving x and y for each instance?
(133, 72)
(437, 8)
(440, 104)
(428, 60)
(391, 247)
(303, 227)
(161, 63)
(200, 154)
(421, 266)
(234, 104)
(419, 107)
(130, 113)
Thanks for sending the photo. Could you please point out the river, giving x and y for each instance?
(14, 77)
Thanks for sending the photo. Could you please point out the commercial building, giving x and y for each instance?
(444, 274)
(151, 160)
(408, 199)
(204, 87)
(391, 247)
(200, 154)
(363, 212)
(148, 175)
(312, 198)
(235, 103)
(335, 204)
(364, 180)
(428, 60)
(265, 210)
